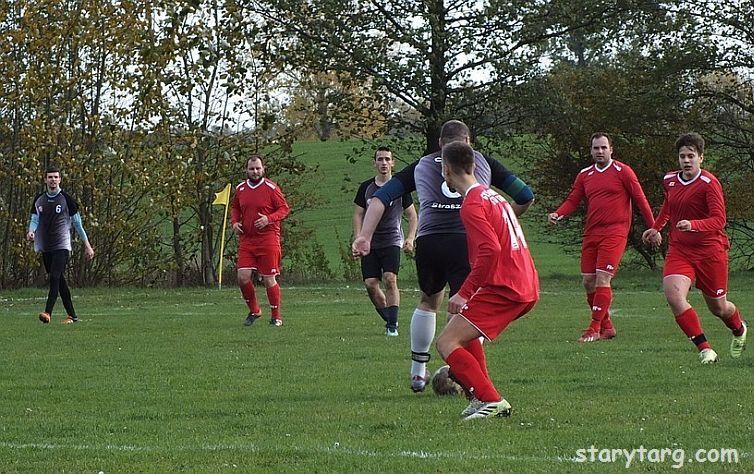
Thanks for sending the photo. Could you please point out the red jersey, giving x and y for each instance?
(699, 201)
(608, 193)
(498, 253)
(249, 201)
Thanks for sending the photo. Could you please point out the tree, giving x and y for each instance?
(443, 59)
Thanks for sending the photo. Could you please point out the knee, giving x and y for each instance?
(391, 281)
(244, 278)
(270, 281)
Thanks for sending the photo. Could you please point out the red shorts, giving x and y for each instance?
(602, 252)
(710, 272)
(491, 312)
(264, 259)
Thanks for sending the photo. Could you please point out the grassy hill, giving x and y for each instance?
(335, 183)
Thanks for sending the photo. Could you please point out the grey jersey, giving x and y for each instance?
(54, 229)
(388, 232)
(439, 206)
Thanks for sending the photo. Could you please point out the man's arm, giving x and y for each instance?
(79, 227)
(571, 203)
(362, 243)
(358, 219)
(413, 224)
(506, 181)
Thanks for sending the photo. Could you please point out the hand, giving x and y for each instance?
(684, 225)
(30, 235)
(360, 247)
(456, 303)
(262, 222)
(652, 238)
(238, 228)
(554, 218)
(408, 246)
(88, 251)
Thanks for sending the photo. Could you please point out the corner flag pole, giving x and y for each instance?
(222, 198)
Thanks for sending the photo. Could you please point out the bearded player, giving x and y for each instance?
(257, 209)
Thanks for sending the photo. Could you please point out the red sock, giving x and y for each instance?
(250, 296)
(689, 323)
(607, 323)
(273, 296)
(600, 304)
(475, 349)
(734, 323)
(466, 369)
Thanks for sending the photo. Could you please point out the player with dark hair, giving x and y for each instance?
(697, 248)
(502, 286)
(53, 214)
(257, 208)
(608, 187)
(441, 254)
(384, 258)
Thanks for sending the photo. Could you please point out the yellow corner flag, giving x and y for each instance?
(222, 198)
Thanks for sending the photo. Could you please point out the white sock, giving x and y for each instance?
(422, 333)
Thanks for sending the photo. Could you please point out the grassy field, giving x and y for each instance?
(166, 381)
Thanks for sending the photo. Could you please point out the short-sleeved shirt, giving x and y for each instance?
(54, 213)
(388, 232)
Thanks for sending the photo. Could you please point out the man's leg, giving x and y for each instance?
(249, 294)
(423, 325)
(676, 289)
(65, 295)
(57, 263)
(376, 296)
(274, 298)
(392, 301)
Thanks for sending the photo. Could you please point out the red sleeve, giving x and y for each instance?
(235, 209)
(663, 216)
(575, 196)
(280, 205)
(638, 197)
(716, 206)
(481, 237)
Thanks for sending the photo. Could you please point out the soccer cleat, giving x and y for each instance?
(490, 409)
(738, 344)
(250, 319)
(70, 320)
(419, 383)
(608, 333)
(276, 322)
(391, 332)
(589, 335)
(707, 356)
(44, 317)
(472, 408)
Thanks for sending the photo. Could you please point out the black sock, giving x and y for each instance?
(392, 317)
(382, 312)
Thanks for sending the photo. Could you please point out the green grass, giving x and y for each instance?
(336, 181)
(166, 381)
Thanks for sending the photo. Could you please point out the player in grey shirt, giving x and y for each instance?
(441, 254)
(384, 259)
(52, 215)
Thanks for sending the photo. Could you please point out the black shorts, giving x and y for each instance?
(441, 259)
(379, 261)
(56, 261)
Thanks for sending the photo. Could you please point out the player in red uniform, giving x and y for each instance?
(697, 248)
(502, 286)
(608, 187)
(257, 209)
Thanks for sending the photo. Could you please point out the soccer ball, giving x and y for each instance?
(442, 384)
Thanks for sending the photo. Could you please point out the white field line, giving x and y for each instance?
(335, 450)
(330, 450)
